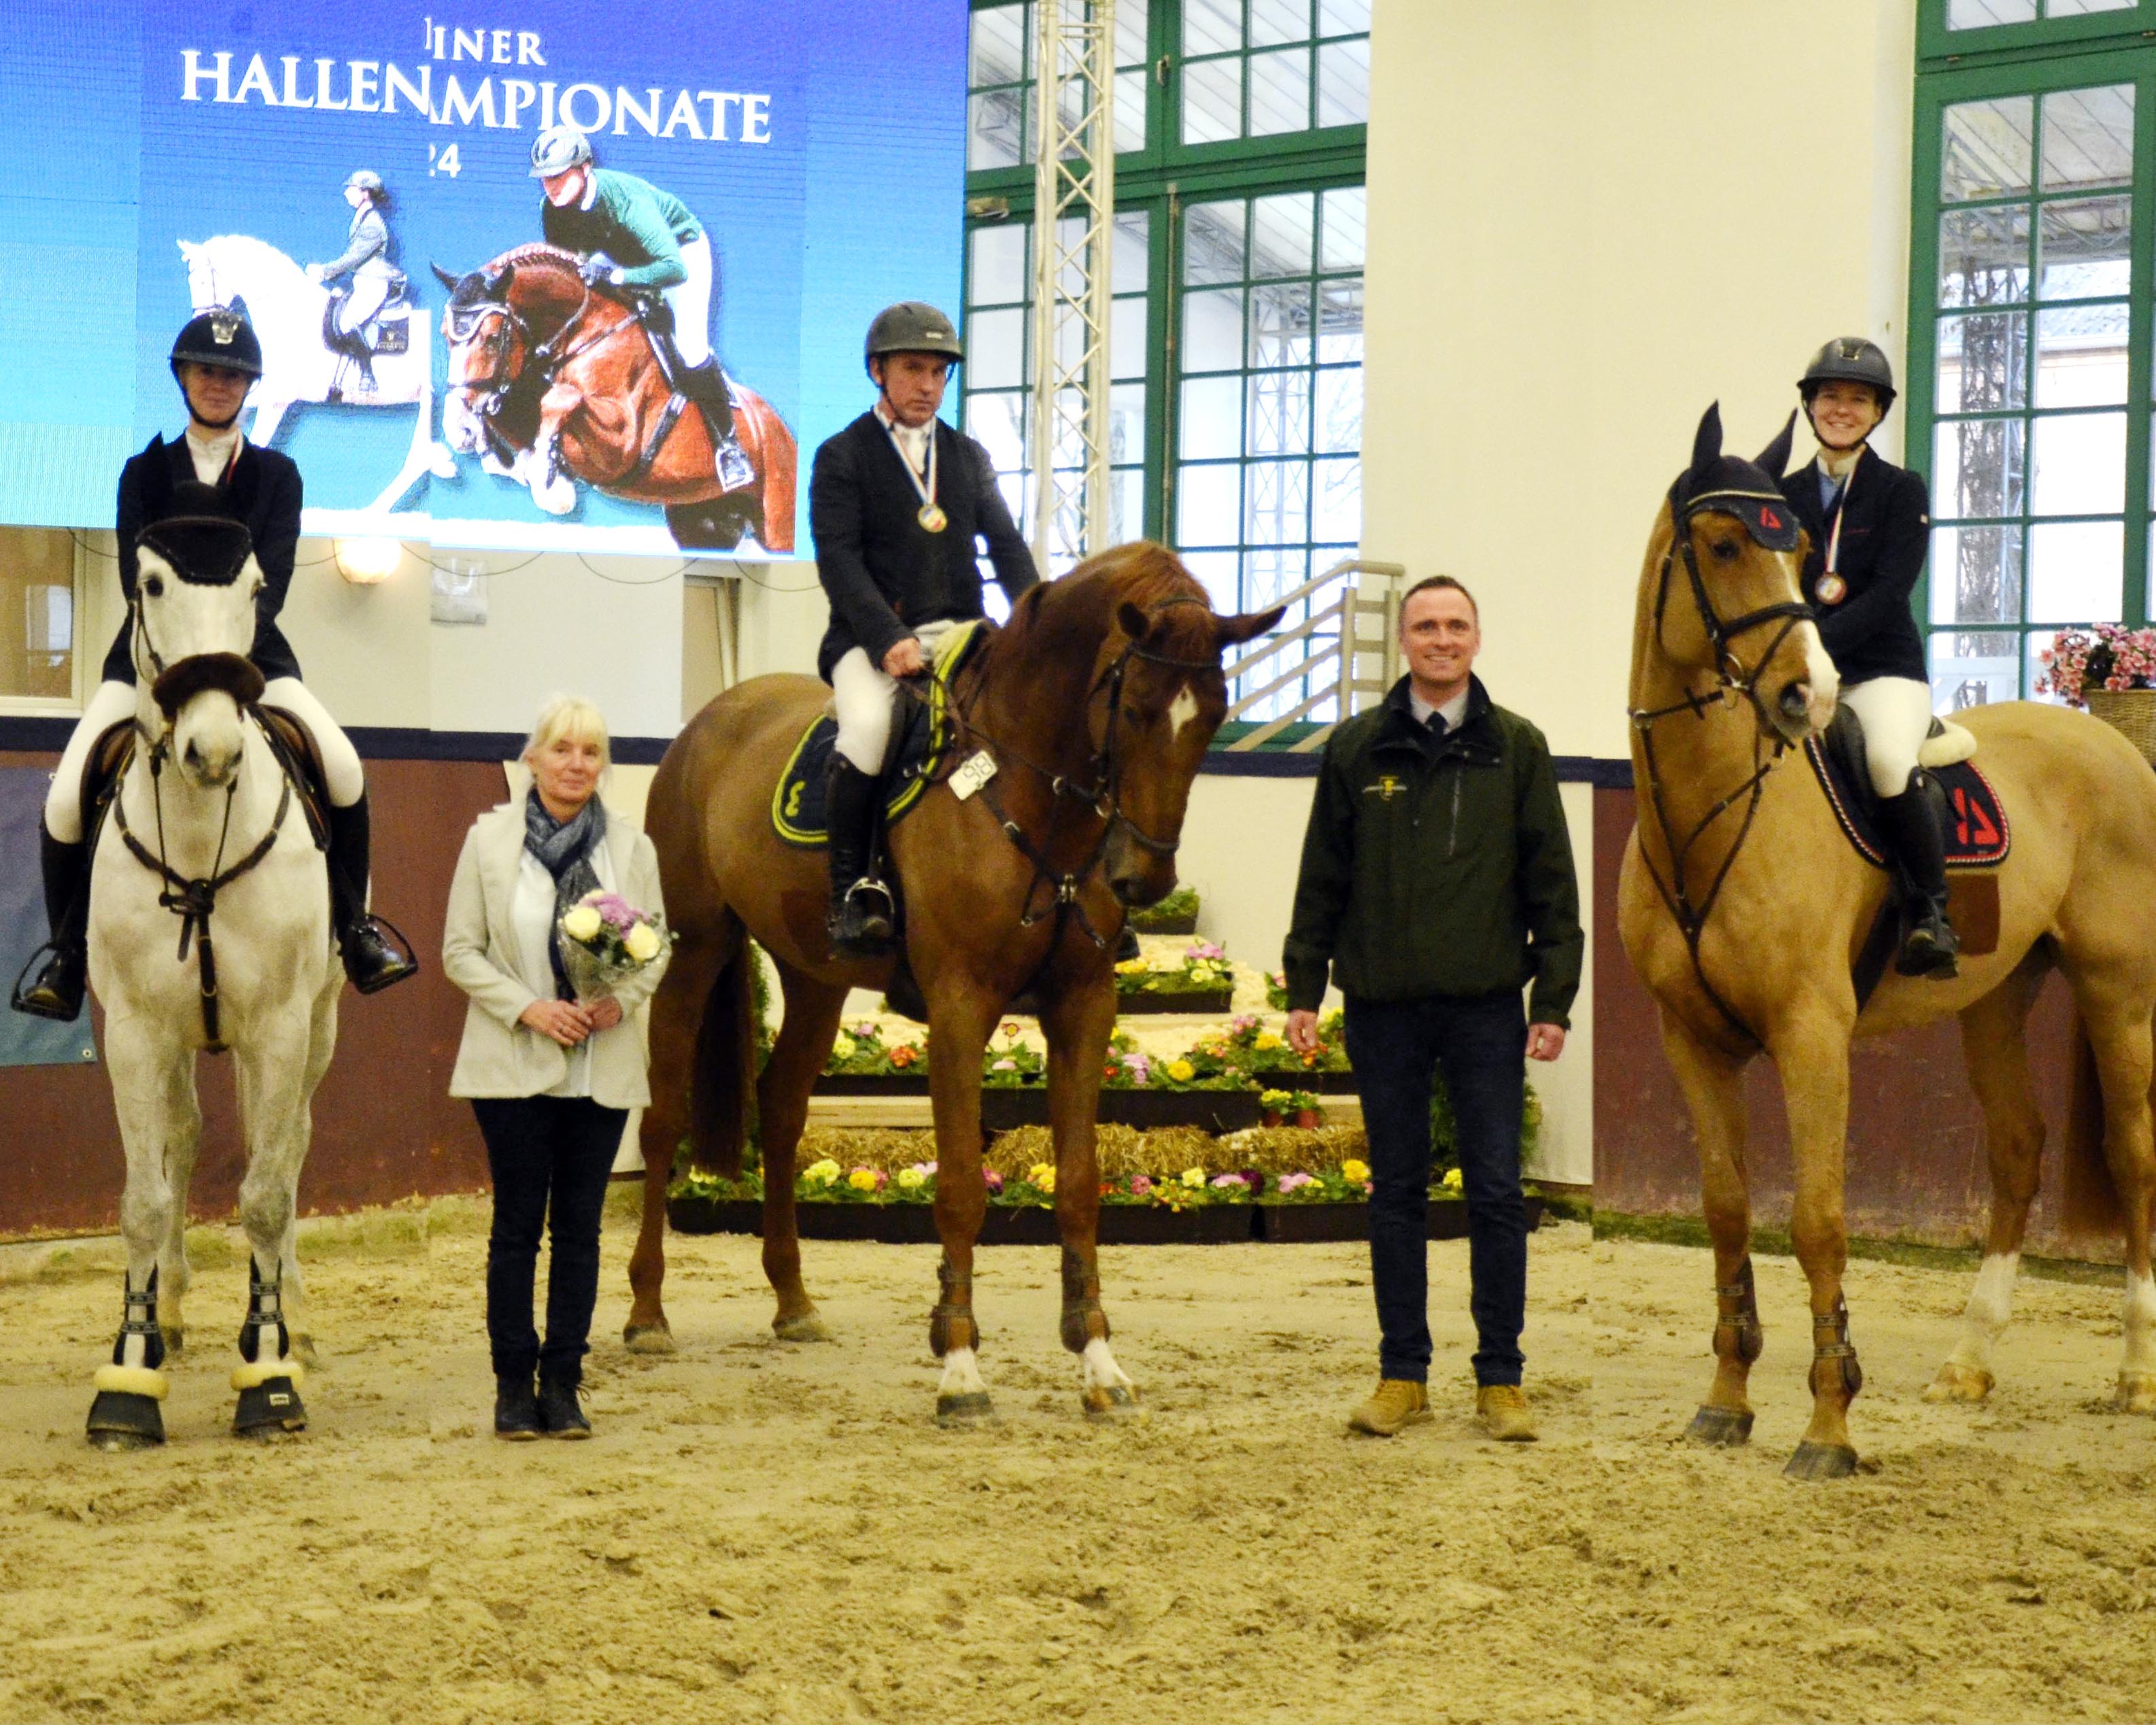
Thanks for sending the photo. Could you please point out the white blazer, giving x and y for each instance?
(498, 1056)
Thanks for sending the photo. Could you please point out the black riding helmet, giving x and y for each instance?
(1850, 359)
(219, 337)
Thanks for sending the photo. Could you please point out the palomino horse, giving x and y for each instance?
(1742, 907)
(209, 929)
(287, 311)
(551, 382)
(1095, 704)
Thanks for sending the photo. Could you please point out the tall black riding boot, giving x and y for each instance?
(375, 955)
(52, 983)
(860, 920)
(1914, 822)
(706, 385)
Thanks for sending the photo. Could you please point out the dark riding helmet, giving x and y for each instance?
(1850, 359)
(913, 326)
(219, 337)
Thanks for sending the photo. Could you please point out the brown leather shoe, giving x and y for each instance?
(1503, 1411)
(1398, 1404)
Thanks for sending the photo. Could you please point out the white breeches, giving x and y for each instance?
(113, 702)
(370, 289)
(866, 697)
(690, 303)
(1896, 716)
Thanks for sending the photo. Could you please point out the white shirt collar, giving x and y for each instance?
(1454, 709)
(912, 439)
(212, 452)
(591, 188)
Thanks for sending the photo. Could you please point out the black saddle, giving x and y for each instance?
(290, 741)
(1978, 835)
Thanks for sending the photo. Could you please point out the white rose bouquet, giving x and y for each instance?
(604, 939)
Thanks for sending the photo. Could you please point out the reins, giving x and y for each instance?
(1731, 679)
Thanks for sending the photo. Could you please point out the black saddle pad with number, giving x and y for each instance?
(1978, 835)
(797, 807)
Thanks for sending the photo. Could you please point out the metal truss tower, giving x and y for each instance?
(1073, 234)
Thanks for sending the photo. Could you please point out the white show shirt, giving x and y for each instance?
(532, 916)
(212, 452)
(912, 439)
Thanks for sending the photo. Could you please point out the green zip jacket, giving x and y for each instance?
(1437, 866)
(641, 227)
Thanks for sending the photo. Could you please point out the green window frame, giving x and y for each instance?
(1164, 50)
(1958, 30)
(2028, 389)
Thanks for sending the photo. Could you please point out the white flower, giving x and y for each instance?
(642, 943)
(581, 923)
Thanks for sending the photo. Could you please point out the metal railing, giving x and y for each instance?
(1336, 664)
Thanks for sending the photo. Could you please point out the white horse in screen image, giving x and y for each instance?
(209, 929)
(286, 310)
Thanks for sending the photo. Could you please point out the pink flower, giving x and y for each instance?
(995, 1181)
(1227, 1180)
(1141, 1184)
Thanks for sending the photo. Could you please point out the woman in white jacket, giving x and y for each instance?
(551, 1077)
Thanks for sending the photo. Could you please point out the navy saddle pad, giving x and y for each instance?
(1977, 834)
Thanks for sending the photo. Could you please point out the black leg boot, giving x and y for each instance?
(53, 982)
(861, 921)
(375, 955)
(1913, 822)
(706, 387)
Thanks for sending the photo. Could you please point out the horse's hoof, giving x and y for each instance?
(1112, 1404)
(2136, 1393)
(1960, 1384)
(965, 1412)
(121, 1420)
(808, 1327)
(1821, 1462)
(1722, 1428)
(648, 1339)
(273, 1406)
(176, 1342)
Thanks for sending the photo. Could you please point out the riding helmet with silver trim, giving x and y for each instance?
(558, 149)
(1850, 359)
(219, 337)
(913, 326)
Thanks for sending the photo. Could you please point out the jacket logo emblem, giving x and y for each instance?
(1387, 786)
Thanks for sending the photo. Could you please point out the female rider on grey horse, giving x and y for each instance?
(215, 360)
(366, 260)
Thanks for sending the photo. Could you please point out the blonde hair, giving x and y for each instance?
(573, 717)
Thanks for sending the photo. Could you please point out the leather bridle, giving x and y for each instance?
(1731, 678)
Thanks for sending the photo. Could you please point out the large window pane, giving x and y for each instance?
(1343, 18)
(1280, 324)
(1976, 469)
(2080, 357)
(2088, 138)
(1975, 669)
(1212, 101)
(1345, 223)
(1279, 92)
(1212, 330)
(1984, 362)
(1986, 148)
(995, 349)
(1976, 575)
(2080, 464)
(1273, 22)
(1343, 82)
(1209, 505)
(996, 264)
(1211, 26)
(2082, 248)
(1281, 235)
(1213, 242)
(2075, 571)
(1209, 418)
(1279, 412)
(1984, 255)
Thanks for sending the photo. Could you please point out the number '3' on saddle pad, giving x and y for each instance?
(797, 805)
(1977, 834)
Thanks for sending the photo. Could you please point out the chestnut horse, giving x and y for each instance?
(551, 381)
(1095, 704)
(1742, 906)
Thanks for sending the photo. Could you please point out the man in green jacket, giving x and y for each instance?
(1437, 884)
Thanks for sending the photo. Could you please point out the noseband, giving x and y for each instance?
(1731, 678)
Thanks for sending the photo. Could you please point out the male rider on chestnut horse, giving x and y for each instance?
(895, 502)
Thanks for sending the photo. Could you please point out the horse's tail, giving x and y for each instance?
(2088, 1196)
(722, 1079)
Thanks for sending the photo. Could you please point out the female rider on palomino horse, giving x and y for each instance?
(896, 501)
(215, 360)
(1870, 525)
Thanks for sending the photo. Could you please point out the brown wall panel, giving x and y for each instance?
(1914, 1161)
(385, 1127)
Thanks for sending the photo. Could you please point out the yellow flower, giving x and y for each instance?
(821, 1173)
(1451, 1181)
(1267, 1041)
(1181, 1071)
(1041, 1174)
(581, 923)
(1131, 966)
(911, 1179)
(1354, 1171)
(862, 1179)
(1194, 1177)
(641, 942)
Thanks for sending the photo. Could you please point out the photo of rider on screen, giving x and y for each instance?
(636, 237)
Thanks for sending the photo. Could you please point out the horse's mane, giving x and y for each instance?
(1141, 573)
(536, 252)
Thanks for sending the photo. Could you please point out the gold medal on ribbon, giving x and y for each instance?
(1831, 589)
(932, 518)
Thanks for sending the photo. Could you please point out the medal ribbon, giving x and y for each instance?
(928, 491)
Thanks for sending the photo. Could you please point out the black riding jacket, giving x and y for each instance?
(1870, 631)
(263, 491)
(886, 574)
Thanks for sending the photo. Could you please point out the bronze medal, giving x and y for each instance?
(1831, 589)
(932, 518)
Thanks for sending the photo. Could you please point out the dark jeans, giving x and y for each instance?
(1481, 1043)
(551, 1157)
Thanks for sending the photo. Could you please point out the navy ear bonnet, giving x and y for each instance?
(1729, 485)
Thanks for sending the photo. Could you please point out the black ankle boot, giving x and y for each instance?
(1913, 822)
(560, 1414)
(515, 1410)
(52, 983)
(706, 385)
(860, 920)
(375, 955)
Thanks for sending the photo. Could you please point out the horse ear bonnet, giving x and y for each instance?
(202, 542)
(1729, 485)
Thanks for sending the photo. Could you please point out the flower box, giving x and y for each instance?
(1169, 922)
(1003, 1224)
(1206, 1000)
(1006, 1107)
(872, 1083)
(1309, 1224)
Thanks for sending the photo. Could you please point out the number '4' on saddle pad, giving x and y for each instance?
(797, 806)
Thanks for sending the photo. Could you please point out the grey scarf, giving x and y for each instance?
(564, 848)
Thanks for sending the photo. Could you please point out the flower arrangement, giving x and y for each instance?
(860, 1049)
(1175, 914)
(605, 939)
(1009, 1060)
(2109, 656)
(1300, 1108)
(1203, 969)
